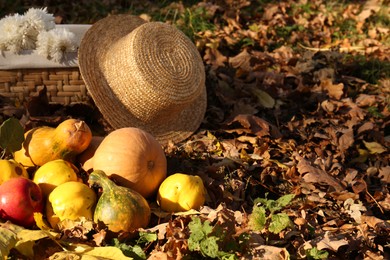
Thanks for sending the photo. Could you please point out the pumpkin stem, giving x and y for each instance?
(100, 178)
(81, 126)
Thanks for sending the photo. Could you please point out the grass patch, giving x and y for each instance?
(370, 70)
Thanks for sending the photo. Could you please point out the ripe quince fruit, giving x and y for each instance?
(181, 192)
(70, 200)
(54, 173)
(11, 169)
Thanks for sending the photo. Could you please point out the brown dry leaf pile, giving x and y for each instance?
(298, 103)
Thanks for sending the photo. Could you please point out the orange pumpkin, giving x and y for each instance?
(133, 158)
(85, 158)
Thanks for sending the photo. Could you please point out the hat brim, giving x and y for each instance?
(92, 51)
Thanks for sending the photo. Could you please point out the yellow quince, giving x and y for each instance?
(181, 192)
(11, 169)
(70, 200)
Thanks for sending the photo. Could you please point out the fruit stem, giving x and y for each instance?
(100, 178)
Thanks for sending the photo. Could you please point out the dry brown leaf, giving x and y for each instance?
(346, 140)
(334, 90)
(364, 100)
(332, 242)
(369, 9)
(254, 125)
(265, 252)
(316, 175)
(385, 204)
(214, 57)
(367, 126)
(371, 220)
(384, 174)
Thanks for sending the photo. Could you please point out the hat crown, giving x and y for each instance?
(153, 79)
(155, 71)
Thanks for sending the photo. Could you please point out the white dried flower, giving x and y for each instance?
(11, 33)
(36, 20)
(43, 44)
(55, 43)
(39, 19)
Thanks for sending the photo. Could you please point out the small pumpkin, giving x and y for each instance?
(133, 158)
(43, 144)
(181, 192)
(85, 158)
(121, 209)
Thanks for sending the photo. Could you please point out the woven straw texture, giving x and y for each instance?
(64, 85)
(146, 75)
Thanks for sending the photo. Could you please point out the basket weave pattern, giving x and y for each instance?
(64, 85)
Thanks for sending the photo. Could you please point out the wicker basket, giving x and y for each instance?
(64, 85)
(23, 75)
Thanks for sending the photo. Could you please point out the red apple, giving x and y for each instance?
(19, 199)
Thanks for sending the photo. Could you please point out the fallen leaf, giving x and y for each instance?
(264, 98)
(95, 253)
(265, 252)
(334, 90)
(374, 147)
(367, 126)
(384, 174)
(369, 9)
(27, 239)
(364, 100)
(41, 222)
(354, 209)
(254, 125)
(346, 140)
(372, 221)
(385, 204)
(316, 175)
(8, 238)
(332, 242)
(327, 241)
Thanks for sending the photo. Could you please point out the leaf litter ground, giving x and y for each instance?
(298, 103)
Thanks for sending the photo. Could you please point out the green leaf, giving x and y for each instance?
(279, 222)
(258, 218)
(284, 200)
(199, 232)
(226, 256)
(207, 228)
(134, 252)
(209, 247)
(146, 237)
(272, 206)
(314, 253)
(11, 135)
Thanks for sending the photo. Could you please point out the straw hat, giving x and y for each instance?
(144, 74)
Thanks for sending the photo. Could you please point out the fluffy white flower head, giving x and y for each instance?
(39, 19)
(11, 31)
(55, 43)
(35, 21)
(36, 30)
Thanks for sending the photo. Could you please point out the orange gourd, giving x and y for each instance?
(44, 144)
(85, 158)
(133, 158)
